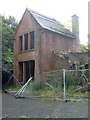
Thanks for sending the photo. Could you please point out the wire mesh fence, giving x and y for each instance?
(48, 84)
(76, 82)
(12, 85)
(64, 84)
(61, 84)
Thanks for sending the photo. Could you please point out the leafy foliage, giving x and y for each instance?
(9, 27)
(72, 80)
(38, 85)
(83, 48)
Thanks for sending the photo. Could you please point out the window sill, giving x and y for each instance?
(30, 50)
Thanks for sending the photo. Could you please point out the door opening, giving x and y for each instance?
(30, 68)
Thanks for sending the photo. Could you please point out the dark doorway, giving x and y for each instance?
(30, 67)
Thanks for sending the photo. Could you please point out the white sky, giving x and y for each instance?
(61, 10)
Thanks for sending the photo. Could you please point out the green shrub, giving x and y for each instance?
(38, 85)
(54, 79)
(49, 77)
(72, 80)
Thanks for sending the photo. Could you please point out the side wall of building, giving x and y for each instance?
(52, 42)
(27, 25)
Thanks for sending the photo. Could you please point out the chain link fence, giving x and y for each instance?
(76, 83)
(61, 84)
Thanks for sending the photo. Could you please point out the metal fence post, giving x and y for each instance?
(64, 82)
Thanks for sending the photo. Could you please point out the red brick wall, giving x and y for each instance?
(53, 42)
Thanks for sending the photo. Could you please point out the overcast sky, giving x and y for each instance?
(61, 10)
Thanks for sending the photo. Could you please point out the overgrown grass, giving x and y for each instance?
(78, 94)
(13, 88)
(41, 89)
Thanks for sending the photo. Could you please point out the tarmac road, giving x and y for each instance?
(41, 108)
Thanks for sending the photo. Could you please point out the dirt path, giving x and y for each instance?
(37, 108)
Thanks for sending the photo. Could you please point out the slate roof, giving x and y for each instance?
(51, 24)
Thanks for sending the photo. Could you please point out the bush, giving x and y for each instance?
(38, 85)
(49, 77)
(72, 80)
(54, 79)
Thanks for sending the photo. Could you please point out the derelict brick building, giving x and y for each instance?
(36, 38)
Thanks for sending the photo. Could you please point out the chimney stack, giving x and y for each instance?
(75, 25)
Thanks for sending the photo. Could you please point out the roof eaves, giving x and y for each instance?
(59, 32)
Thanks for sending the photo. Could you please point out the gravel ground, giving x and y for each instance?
(41, 108)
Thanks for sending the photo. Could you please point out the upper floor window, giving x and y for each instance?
(26, 41)
(21, 42)
(32, 40)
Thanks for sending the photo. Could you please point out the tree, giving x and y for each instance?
(83, 48)
(9, 26)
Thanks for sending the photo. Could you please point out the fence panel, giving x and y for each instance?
(77, 83)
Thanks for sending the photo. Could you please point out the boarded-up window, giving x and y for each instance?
(32, 40)
(26, 41)
(21, 42)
